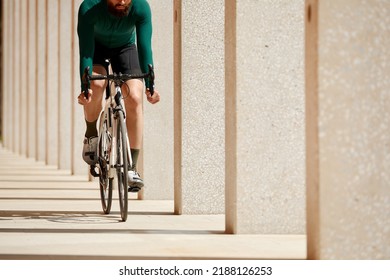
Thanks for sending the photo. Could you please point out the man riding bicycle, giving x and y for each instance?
(118, 31)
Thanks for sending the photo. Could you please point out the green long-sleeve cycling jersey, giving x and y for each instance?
(95, 23)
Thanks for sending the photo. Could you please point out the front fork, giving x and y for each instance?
(122, 108)
(114, 143)
(112, 118)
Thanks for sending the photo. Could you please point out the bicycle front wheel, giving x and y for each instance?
(104, 160)
(121, 165)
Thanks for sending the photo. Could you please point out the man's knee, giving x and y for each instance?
(98, 86)
(133, 95)
(133, 100)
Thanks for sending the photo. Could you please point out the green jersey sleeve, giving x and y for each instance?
(144, 35)
(85, 31)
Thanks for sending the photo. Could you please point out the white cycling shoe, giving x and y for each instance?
(134, 181)
(90, 150)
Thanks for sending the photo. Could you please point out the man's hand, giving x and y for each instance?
(83, 100)
(153, 99)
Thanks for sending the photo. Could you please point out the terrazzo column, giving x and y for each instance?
(41, 81)
(348, 123)
(78, 166)
(6, 122)
(265, 178)
(158, 127)
(52, 88)
(23, 77)
(16, 61)
(32, 80)
(199, 107)
(65, 84)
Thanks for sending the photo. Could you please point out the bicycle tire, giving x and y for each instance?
(105, 182)
(121, 165)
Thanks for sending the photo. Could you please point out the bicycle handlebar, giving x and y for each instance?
(119, 78)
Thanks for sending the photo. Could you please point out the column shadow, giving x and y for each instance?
(77, 217)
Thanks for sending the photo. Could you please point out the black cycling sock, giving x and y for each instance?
(91, 129)
(134, 156)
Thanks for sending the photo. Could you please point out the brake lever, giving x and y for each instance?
(151, 79)
(86, 81)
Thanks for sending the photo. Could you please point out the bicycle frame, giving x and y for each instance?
(109, 113)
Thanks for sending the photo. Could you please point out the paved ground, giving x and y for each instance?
(47, 214)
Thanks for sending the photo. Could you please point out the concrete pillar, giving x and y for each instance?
(11, 95)
(66, 94)
(265, 186)
(5, 85)
(158, 132)
(10, 41)
(23, 17)
(16, 77)
(32, 79)
(199, 107)
(41, 81)
(78, 167)
(52, 82)
(348, 123)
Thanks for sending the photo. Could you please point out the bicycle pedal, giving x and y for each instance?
(93, 172)
(134, 189)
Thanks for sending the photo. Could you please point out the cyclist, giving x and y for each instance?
(118, 31)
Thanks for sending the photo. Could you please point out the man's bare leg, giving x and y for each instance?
(91, 114)
(133, 97)
(134, 114)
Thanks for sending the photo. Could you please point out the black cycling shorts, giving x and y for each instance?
(123, 59)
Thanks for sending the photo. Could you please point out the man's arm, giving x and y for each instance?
(85, 31)
(144, 36)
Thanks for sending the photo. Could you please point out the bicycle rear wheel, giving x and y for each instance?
(121, 165)
(104, 159)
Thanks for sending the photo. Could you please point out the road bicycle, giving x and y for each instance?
(114, 156)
